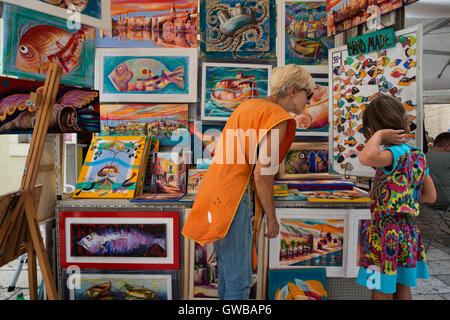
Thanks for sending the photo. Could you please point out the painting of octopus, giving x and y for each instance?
(33, 40)
(238, 29)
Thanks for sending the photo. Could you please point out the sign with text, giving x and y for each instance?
(374, 41)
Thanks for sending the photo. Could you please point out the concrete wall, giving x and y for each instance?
(437, 118)
(12, 163)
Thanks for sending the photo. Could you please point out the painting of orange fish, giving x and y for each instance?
(34, 40)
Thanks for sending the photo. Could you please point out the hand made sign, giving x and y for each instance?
(374, 41)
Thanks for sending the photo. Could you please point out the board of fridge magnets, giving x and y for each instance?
(354, 81)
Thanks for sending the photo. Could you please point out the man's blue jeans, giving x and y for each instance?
(234, 253)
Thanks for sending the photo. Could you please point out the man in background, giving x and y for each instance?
(438, 160)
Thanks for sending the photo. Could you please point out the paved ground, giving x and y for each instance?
(437, 287)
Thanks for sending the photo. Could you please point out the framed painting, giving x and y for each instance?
(151, 24)
(119, 240)
(302, 31)
(151, 75)
(309, 240)
(226, 85)
(32, 40)
(167, 123)
(313, 121)
(238, 29)
(357, 80)
(76, 110)
(95, 286)
(95, 13)
(111, 168)
(306, 160)
(355, 195)
(201, 276)
(358, 225)
(204, 140)
(297, 284)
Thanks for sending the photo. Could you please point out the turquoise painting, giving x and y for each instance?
(226, 86)
(32, 40)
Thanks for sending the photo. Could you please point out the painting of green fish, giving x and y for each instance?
(155, 75)
(33, 40)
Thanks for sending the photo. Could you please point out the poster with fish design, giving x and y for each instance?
(32, 40)
(95, 13)
(119, 240)
(308, 241)
(112, 167)
(167, 123)
(354, 81)
(75, 109)
(305, 41)
(123, 287)
(151, 24)
(150, 75)
(226, 85)
(238, 29)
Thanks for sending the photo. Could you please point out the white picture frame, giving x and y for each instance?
(356, 216)
(119, 55)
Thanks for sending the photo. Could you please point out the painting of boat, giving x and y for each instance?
(231, 92)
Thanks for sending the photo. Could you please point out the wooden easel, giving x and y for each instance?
(20, 227)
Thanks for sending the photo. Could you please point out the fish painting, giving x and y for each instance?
(145, 74)
(231, 92)
(126, 240)
(40, 45)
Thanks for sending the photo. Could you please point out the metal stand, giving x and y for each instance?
(12, 286)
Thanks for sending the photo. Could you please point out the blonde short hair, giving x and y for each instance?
(283, 78)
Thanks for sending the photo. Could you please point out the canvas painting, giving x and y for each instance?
(357, 80)
(95, 13)
(355, 195)
(123, 287)
(313, 121)
(75, 109)
(305, 41)
(204, 140)
(299, 284)
(305, 160)
(345, 14)
(167, 123)
(32, 40)
(119, 240)
(111, 168)
(238, 29)
(358, 226)
(226, 85)
(152, 24)
(195, 179)
(150, 75)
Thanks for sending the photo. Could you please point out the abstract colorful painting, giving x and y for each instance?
(356, 195)
(123, 287)
(226, 85)
(75, 109)
(357, 80)
(299, 284)
(94, 13)
(359, 223)
(150, 75)
(305, 41)
(152, 24)
(119, 240)
(313, 121)
(305, 160)
(167, 123)
(345, 14)
(111, 168)
(204, 140)
(238, 29)
(32, 40)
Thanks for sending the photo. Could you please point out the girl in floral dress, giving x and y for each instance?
(393, 256)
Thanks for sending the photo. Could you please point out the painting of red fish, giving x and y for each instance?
(33, 40)
(119, 240)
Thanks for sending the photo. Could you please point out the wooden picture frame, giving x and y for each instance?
(92, 240)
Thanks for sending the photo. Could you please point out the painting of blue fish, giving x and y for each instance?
(156, 75)
(226, 85)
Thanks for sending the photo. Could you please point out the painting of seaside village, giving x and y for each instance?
(151, 24)
(311, 242)
(167, 123)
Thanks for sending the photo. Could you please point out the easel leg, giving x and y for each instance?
(32, 270)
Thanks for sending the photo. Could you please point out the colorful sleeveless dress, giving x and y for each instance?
(393, 252)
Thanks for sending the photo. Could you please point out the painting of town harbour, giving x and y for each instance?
(167, 123)
(151, 24)
(311, 242)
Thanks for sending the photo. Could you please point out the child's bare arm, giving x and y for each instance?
(372, 156)
(428, 193)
